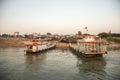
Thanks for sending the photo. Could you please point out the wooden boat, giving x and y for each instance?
(90, 47)
(35, 46)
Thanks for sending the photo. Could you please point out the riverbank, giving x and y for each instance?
(113, 46)
(62, 45)
(11, 42)
(18, 42)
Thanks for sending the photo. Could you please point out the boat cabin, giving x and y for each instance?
(31, 47)
(89, 45)
(89, 38)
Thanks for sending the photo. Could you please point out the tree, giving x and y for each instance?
(43, 36)
(26, 36)
(103, 35)
(115, 34)
(48, 33)
(5, 35)
(109, 33)
(79, 33)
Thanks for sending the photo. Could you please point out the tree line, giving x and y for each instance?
(102, 35)
(109, 34)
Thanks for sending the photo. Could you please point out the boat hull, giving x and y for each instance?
(86, 54)
(40, 50)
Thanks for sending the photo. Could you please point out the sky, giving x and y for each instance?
(59, 16)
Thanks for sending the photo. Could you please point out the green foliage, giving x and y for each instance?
(109, 34)
(48, 33)
(114, 39)
(26, 36)
(103, 35)
(43, 36)
(5, 35)
(79, 33)
(115, 34)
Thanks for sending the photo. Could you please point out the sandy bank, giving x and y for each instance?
(62, 45)
(113, 46)
(11, 42)
(16, 42)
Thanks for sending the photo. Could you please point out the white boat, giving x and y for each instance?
(35, 46)
(89, 46)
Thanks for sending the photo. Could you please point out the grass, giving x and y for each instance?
(114, 39)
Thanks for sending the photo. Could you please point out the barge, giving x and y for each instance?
(89, 46)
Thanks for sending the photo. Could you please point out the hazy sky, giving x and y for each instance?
(59, 16)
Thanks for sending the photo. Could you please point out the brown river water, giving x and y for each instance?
(57, 64)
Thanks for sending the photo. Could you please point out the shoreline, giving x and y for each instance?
(19, 42)
(11, 42)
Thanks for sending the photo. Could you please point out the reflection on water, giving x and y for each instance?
(91, 68)
(91, 64)
(99, 68)
(57, 65)
(32, 59)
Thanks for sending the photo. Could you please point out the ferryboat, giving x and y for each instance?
(36, 46)
(89, 46)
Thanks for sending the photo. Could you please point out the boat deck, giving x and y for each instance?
(34, 47)
(85, 49)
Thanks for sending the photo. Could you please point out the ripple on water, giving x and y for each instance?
(57, 65)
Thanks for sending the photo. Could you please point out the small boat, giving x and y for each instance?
(35, 46)
(89, 46)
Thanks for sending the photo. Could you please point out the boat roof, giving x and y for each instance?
(92, 42)
(28, 43)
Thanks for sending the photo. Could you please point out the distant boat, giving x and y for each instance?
(36, 46)
(89, 46)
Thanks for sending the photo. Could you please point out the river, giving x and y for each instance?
(57, 64)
